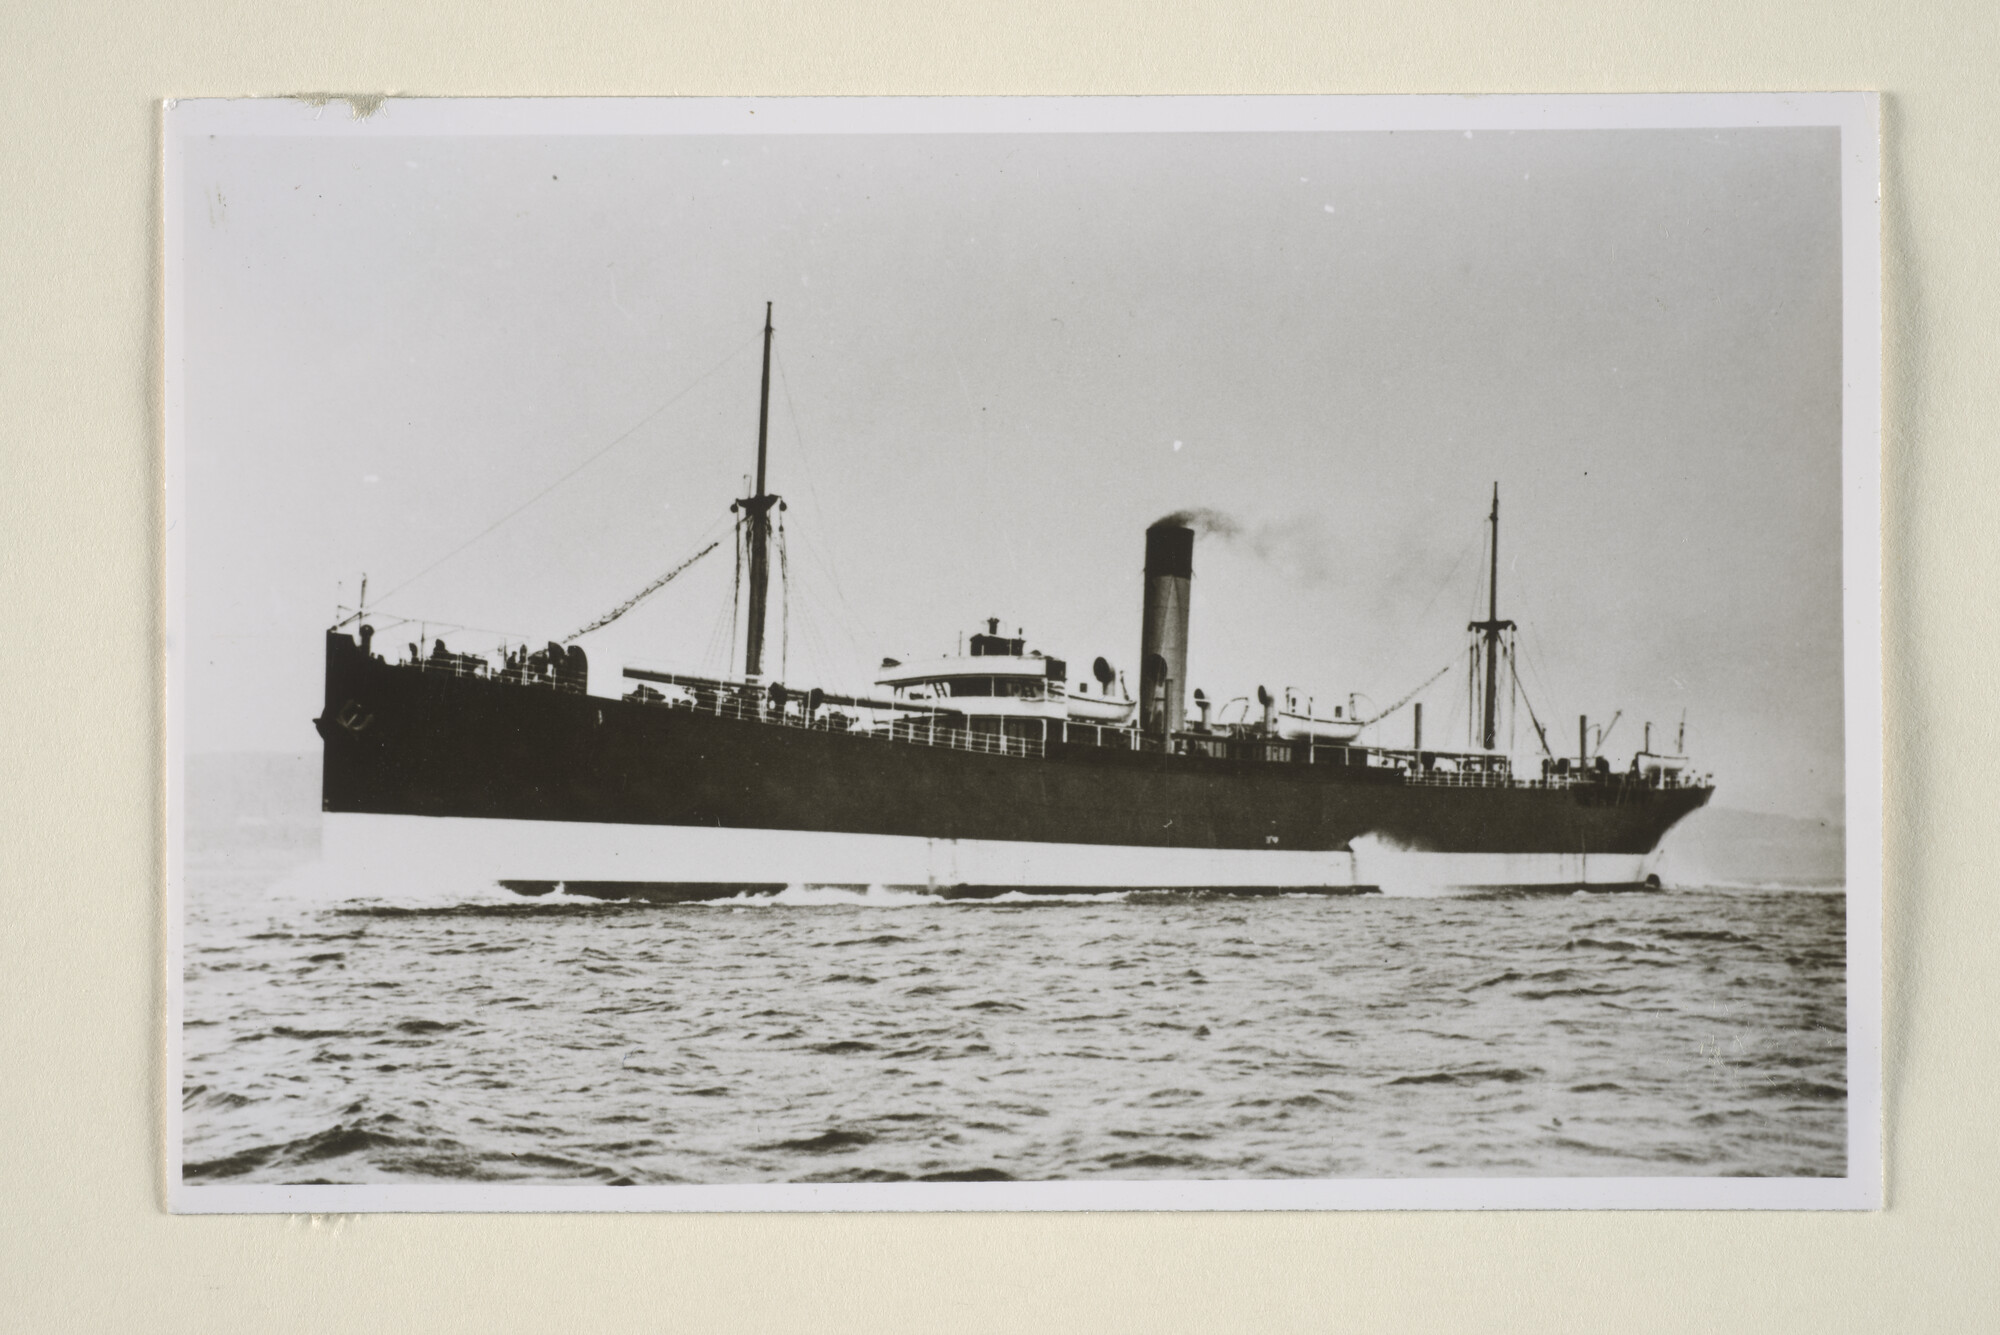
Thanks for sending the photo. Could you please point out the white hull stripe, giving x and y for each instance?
(580, 851)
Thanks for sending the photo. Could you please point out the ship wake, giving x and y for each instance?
(1397, 870)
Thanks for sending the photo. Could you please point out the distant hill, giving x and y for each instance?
(1721, 846)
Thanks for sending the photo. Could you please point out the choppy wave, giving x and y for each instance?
(833, 896)
(422, 1029)
(1797, 887)
(322, 882)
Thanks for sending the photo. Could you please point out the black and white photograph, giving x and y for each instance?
(1021, 653)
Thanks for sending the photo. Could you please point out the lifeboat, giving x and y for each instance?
(1297, 720)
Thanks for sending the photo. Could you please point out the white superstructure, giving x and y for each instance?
(1001, 677)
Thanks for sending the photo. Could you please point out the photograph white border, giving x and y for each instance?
(1855, 115)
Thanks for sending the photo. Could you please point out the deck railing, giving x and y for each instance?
(518, 673)
(927, 730)
(1478, 779)
(926, 733)
(917, 732)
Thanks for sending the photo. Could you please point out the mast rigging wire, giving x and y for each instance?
(640, 596)
(1445, 583)
(716, 654)
(616, 441)
(1541, 733)
(784, 603)
(812, 490)
(1473, 690)
(736, 594)
(1513, 696)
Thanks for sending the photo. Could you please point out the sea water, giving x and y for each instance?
(426, 1032)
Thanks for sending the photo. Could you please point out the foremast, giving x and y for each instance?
(1491, 628)
(756, 510)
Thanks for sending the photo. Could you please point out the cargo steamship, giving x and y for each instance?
(970, 775)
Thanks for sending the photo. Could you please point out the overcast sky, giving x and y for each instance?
(999, 358)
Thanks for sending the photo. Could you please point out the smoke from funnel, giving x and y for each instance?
(1202, 520)
(1299, 545)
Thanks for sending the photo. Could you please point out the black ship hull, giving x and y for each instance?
(540, 786)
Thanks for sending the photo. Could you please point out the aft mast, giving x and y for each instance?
(757, 508)
(1493, 625)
